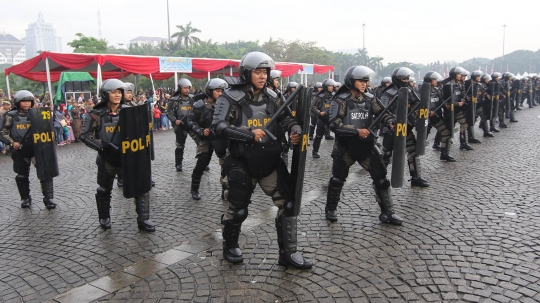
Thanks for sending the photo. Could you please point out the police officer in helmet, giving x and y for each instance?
(351, 113)
(102, 123)
(241, 114)
(321, 108)
(15, 130)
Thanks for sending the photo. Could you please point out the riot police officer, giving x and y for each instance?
(379, 89)
(352, 109)
(313, 122)
(436, 115)
(498, 111)
(253, 157)
(321, 107)
(102, 123)
(199, 121)
(400, 78)
(178, 113)
(485, 105)
(455, 79)
(473, 81)
(15, 130)
(129, 101)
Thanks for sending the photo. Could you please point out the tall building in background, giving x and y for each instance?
(41, 36)
(12, 50)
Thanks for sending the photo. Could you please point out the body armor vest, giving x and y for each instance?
(108, 128)
(434, 100)
(20, 127)
(184, 107)
(358, 114)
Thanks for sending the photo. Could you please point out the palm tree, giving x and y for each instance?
(362, 56)
(376, 63)
(185, 35)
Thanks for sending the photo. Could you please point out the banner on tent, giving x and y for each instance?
(175, 64)
(308, 69)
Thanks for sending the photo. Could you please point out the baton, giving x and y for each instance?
(280, 110)
(379, 117)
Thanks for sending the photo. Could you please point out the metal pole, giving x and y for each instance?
(49, 78)
(168, 23)
(208, 76)
(504, 36)
(175, 81)
(364, 36)
(7, 86)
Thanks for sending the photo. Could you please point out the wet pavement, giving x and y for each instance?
(472, 236)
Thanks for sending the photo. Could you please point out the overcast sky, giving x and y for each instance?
(415, 31)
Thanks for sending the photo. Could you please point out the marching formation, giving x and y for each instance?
(251, 125)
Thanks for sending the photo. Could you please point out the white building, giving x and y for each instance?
(12, 50)
(41, 36)
(154, 41)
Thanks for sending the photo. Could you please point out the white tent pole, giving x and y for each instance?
(98, 78)
(49, 78)
(7, 86)
(208, 76)
(230, 70)
(154, 89)
(175, 81)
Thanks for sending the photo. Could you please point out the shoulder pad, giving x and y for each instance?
(235, 93)
(368, 95)
(270, 92)
(199, 104)
(342, 95)
(320, 94)
(98, 111)
(12, 112)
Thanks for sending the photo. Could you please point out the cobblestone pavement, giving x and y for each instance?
(473, 235)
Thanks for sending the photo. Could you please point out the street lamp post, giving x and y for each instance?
(168, 23)
(363, 36)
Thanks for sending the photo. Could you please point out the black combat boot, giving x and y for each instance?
(470, 133)
(501, 121)
(437, 141)
(327, 135)
(23, 184)
(311, 131)
(142, 206)
(485, 128)
(332, 199)
(463, 141)
(388, 214)
(445, 153)
(195, 183)
(414, 170)
(316, 146)
(103, 202)
(47, 189)
(231, 233)
(288, 254)
(178, 157)
(492, 126)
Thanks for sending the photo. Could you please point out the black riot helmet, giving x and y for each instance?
(476, 73)
(274, 74)
(429, 76)
(357, 72)
(318, 85)
(485, 78)
(401, 73)
(183, 83)
(457, 70)
(525, 78)
(326, 83)
(253, 61)
(129, 87)
(290, 86)
(495, 75)
(109, 86)
(215, 83)
(23, 95)
(508, 76)
(386, 80)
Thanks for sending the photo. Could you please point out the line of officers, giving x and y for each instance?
(230, 119)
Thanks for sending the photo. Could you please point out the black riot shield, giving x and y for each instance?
(530, 98)
(135, 129)
(471, 105)
(509, 100)
(42, 132)
(518, 84)
(298, 164)
(400, 138)
(423, 117)
(450, 98)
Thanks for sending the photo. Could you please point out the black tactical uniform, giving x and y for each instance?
(102, 123)
(497, 111)
(321, 104)
(484, 105)
(15, 128)
(238, 112)
(349, 114)
(179, 110)
(456, 74)
(399, 74)
(313, 122)
(474, 81)
(199, 119)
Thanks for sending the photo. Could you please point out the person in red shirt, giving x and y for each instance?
(157, 117)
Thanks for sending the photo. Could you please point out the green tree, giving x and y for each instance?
(88, 45)
(185, 35)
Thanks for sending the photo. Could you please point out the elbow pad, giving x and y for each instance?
(237, 134)
(345, 131)
(91, 143)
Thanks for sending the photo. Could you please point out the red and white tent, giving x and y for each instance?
(48, 66)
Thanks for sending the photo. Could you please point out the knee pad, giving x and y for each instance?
(335, 182)
(381, 184)
(103, 192)
(239, 215)
(21, 178)
(240, 187)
